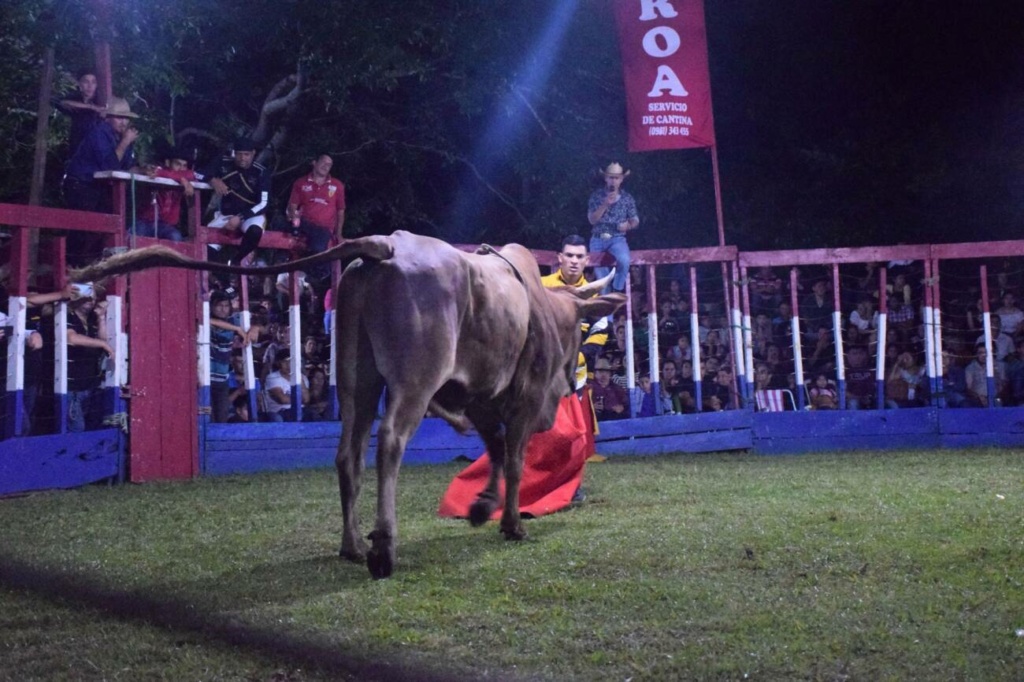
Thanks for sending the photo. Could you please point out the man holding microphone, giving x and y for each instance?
(612, 213)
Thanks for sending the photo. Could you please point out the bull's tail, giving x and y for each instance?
(376, 248)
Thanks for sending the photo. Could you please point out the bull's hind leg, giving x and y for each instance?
(492, 432)
(511, 521)
(404, 413)
(359, 392)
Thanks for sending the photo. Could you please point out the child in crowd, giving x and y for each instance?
(240, 411)
(823, 394)
(159, 217)
(223, 327)
(642, 397)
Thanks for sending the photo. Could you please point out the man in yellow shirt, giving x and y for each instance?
(572, 259)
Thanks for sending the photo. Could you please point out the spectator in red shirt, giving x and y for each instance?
(316, 207)
(160, 215)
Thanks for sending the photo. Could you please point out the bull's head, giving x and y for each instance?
(588, 305)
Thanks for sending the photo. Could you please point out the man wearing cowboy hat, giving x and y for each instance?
(107, 147)
(612, 213)
(610, 399)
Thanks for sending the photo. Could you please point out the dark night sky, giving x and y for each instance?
(901, 117)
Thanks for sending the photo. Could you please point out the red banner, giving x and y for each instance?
(665, 66)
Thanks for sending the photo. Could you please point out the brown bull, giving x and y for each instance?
(473, 337)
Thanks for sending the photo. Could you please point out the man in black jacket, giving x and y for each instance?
(244, 190)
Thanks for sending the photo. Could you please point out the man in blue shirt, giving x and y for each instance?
(107, 147)
(612, 213)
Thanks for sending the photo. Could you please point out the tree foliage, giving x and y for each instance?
(447, 118)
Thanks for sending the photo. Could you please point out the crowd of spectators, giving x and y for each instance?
(905, 383)
(269, 336)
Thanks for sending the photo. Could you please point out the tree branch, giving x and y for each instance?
(502, 197)
(275, 102)
(526, 103)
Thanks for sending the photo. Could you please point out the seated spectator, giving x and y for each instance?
(765, 379)
(315, 398)
(619, 377)
(243, 187)
(902, 317)
(1010, 316)
(669, 387)
(816, 310)
(236, 377)
(709, 370)
(1013, 391)
(821, 357)
(278, 341)
(765, 291)
(160, 216)
(685, 398)
(278, 391)
(284, 292)
(782, 325)
(239, 410)
(714, 347)
(610, 400)
(861, 387)
(864, 323)
(777, 364)
(977, 377)
(681, 350)
(87, 346)
(954, 382)
(760, 334)
(906, 384)
(675, 291)
(823, 393)
(224, 327)
(1002, 342)
(642, 397)
(669, 325)
(721, 393)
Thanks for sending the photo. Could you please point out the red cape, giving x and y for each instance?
(552, 467)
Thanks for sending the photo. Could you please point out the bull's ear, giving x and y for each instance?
(601, 305)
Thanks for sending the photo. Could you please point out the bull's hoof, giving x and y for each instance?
(516, 533)
(356, 556)
(381, 557)
(353, 550)
(379, 562)
(480, 512)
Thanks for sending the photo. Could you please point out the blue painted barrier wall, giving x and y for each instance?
(71, 460)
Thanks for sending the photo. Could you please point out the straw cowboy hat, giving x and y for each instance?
(614, 170)
(118, 107)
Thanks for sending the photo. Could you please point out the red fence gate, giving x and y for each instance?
(163, 430)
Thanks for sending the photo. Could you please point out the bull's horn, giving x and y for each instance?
(593, 288)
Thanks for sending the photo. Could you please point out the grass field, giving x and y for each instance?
(859, 566)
